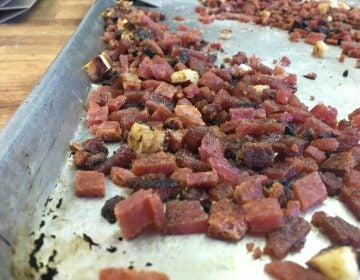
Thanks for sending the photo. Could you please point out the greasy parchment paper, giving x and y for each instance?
(66, 218)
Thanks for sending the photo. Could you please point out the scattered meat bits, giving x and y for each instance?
(215, 138)
(257, 253)
(310, 76)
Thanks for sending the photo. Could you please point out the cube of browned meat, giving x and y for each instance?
(258, 155)
(89, 184)
(154, 163)
(202, 179)
(339, 163)
(289, 238)
(263, 215)
(109, 131)
(189, 115)
(221, 191)
(332, 183)
(139, 211)
(248, 190)
(185, 217)
(166, 90)
(120, 175)
(226, 220)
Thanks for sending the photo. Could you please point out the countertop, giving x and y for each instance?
(29, 43)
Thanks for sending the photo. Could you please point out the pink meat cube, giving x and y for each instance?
(138, 212)
(210, 147)
(120, 175)
(185, 217)
(154, 163)
(202, 179)
(89, 184)
(242, 113)
(189, 115)
(263, 215)
(352, 179)
(249, 190)
(310, 191)
(109, 131)
(97, 115)
(226, 171)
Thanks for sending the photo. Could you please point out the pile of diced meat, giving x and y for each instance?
(223, 151)
(335, 24)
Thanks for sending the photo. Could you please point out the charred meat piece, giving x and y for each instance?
(166, 187)
(226, 221)
(258, 155)
(107, 211)
(291, 237)
(337, 230)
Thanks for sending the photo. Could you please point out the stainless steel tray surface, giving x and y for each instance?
(38, 201)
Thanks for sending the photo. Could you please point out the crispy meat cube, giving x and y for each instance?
(258, 155)
(202, 179)
(226, 220)
(109, 131)
(89, 184)
(154, 163)
(185, 217)
(289, 238)
(138, 212)
(120, 175)
(263, 215)
(310, 191)
(351, 198)
(339, 163)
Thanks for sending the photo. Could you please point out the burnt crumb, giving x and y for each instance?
(39, 242)
(108, 209)
(120, 238)
(42, 223)
(131, 267)
(88, 239)
(327, 134)
(58, 205)
(148, 264)
(111, 249)
(310, 76)
(50, 273)
(118, 34)
(54, 217)
(184, 56)
(32, 233)
(312, 97)
(290, 129)
(143, 34)
(52, 257)
(124, 252)
(47, 201)
(53, 236)
(345, 73)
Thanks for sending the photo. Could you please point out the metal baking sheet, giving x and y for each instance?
(37, 194)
